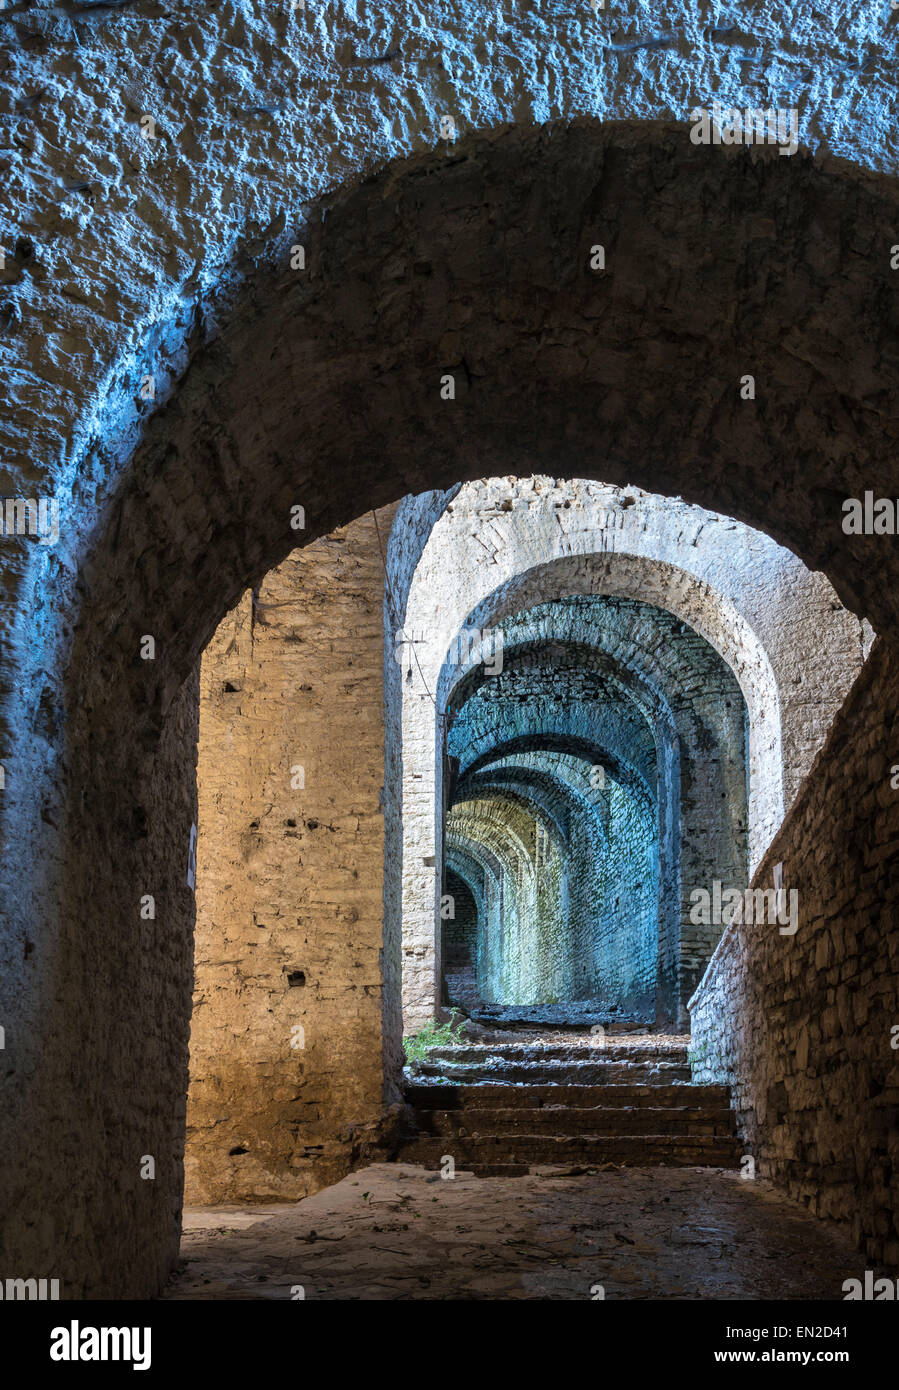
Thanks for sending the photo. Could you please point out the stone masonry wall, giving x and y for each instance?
(289, 879)
(624, 958)
(170, 513)
(461, 929)
(800, 1025)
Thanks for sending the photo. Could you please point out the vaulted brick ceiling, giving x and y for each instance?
(610, 722)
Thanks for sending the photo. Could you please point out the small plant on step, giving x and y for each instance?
(433, 1034)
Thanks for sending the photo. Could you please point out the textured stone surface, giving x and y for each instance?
(505, 545)
(395, 1231)
(477, 258)
(802, 1026)
(259, 110)
(633, 689)
(510, 1106)
(289, 880)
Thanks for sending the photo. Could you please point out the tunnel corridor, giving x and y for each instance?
(449, 722)
(554, 821)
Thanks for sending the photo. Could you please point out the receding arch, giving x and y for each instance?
(639, 652)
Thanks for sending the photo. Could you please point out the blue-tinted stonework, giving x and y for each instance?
(611, 731)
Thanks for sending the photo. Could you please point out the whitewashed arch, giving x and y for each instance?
(504, 544)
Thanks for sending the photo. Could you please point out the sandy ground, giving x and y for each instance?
(396, 1231)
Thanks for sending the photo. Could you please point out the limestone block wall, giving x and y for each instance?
(554, 966)
(801, 1025)
(86, 1100)
(623, 891)
(286, 1061)
(461, 928)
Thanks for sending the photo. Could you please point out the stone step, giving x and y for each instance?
(569, 1120)
(562, 1072)
(479, 1053)
(564, 1019)
(464, 1097)
(522, 1151)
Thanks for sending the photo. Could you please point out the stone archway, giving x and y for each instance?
(636, 673)
(504, 545)
(476, 266)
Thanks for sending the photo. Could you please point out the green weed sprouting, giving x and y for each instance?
(433, 1034)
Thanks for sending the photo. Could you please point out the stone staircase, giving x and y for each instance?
(502, 1108)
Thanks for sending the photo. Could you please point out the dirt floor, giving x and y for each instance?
(394, 1231)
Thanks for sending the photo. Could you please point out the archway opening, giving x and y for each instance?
(600, 773)
(105, 809)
